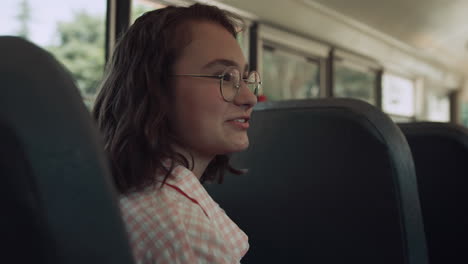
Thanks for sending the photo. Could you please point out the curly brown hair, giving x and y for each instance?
(131, 109)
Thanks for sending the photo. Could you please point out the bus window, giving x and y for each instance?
(398, 96)
(464, 114)
(73, 31)
(354, 81)
(438, 107)
(463, 105)
(289, 76)
(243, 38)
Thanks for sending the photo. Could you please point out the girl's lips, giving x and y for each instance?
(240, 125)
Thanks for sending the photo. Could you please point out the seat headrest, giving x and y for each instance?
(42, 108)
(440, 153)
(329, 181)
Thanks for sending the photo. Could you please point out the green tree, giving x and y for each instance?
(81, 49)
(24, 17)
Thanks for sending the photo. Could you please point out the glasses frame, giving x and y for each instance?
(221, 80)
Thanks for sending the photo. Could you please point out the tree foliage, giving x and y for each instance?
(80, 45)
(80, 48)
(24, 18)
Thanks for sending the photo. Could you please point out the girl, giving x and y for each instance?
(176, 99)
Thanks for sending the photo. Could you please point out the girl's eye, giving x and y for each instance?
(227, 78)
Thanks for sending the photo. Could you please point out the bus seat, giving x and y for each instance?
(59, 205)
(329, 181)
(440, 153)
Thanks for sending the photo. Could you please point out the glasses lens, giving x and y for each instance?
(254, 83)
(231, 83)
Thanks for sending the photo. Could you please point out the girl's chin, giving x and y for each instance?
(240, 146)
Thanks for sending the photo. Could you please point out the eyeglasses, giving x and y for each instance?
(229, 82)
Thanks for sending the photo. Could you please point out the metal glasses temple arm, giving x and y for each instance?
(201, 75)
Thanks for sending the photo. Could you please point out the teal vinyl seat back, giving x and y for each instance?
(330, 181)
(59, 201)
(440, 153)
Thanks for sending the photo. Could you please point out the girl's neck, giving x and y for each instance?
(200, 161)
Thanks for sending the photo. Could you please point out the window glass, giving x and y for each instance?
(464, 114)
(438, 107)
(139, 7)
(354, 81)
(289, 76)
(243, 38)
(73, 31)
(398, 95)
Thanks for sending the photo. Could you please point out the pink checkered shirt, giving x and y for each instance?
(181, 223)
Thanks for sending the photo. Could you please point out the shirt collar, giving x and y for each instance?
(189, 185)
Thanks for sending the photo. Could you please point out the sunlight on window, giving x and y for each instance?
(398, 95)
(73, 31)
(438, 107)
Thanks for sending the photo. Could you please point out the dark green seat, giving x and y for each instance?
(330, 181)
(59, 205)
(440, 153)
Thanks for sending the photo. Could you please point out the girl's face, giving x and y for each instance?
(202, 119)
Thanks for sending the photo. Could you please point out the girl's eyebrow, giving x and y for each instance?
(224, 62)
